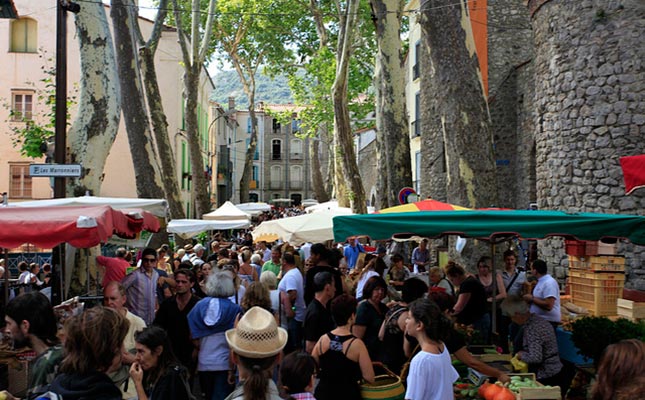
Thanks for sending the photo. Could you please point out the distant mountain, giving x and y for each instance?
(272, 91)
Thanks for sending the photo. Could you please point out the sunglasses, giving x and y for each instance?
(151, 260)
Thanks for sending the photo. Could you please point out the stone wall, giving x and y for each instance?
(510, 40)
(590, 110)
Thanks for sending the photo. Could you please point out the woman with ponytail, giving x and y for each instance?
(431, 373)
(256, 346)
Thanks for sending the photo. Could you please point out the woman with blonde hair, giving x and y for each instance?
(621, 372)
(247, 273)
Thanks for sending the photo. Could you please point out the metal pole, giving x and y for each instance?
(6, 277)
(61, 95)
(493, 314)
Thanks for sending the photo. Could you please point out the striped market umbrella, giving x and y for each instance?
(423, 205)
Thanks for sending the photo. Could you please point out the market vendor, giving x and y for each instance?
(536, 345)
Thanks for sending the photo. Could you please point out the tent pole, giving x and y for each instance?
(493, 314)
(87, 271)
(6, 276)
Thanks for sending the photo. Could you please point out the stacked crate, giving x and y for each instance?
(596, 281)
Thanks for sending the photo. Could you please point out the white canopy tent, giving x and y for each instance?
(187, 228)
(331, 206)
(227, 212)
(314, 227)
(309, 202)
(254, 209)
(158, 207)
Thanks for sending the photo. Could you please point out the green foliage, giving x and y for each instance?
(272, 90)
(591, 335)
(31, 137)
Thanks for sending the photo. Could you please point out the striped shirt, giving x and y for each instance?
(141, 292)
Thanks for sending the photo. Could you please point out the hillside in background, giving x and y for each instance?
(272, 91)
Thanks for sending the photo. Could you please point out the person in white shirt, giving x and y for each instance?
(545, 299)
(292, 297)
(431, 375)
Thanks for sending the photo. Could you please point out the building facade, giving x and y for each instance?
(28, 50)
(282, 162)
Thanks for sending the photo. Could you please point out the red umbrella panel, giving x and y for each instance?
(423, 205)
(81, 227)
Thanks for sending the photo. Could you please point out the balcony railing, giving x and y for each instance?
(276, 156)
(295, 156)
(295, 184)
(275, 185)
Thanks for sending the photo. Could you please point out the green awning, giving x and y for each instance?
(489, 224)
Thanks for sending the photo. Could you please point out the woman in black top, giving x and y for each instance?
(343, 359)
(156, 373)
(392, 329)
(470, 308)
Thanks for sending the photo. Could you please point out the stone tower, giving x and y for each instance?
(589, 108)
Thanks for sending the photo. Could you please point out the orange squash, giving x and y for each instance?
(504, 394)
(492, 391)
(482, 389)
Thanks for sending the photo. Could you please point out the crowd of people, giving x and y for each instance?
(245, 320)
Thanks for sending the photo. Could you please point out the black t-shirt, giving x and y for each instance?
(318, 321)
(309, 281)
(476, 306)
(175, 323)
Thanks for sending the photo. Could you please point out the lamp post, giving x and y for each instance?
(60, 136)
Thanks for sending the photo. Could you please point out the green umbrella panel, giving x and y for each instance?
(492, 224)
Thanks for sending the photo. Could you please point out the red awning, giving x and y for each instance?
(81, 227)
(633, 172)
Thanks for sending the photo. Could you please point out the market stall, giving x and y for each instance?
(227, 212)
(78, 226)
(254, 209)
(187, 228)
(492, 224)
(314, 227)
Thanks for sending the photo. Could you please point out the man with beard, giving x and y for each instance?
(31, 323)
(172, 316)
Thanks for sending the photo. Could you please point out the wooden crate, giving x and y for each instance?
(540, 392)
(630, 309)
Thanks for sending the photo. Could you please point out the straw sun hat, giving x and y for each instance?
(257, 335)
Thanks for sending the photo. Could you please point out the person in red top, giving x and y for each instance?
(114, 267)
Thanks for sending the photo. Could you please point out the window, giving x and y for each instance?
(276, 173)
(22, 103)
(248, 125)
(24, 36)
(276, 126)
(417, 62)
(417, 171)
(256, 172)
(295, 125)
(416, 124)
(20, 186)
(295, 178)
(253, 197)
(276, 149)
(296, 149)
